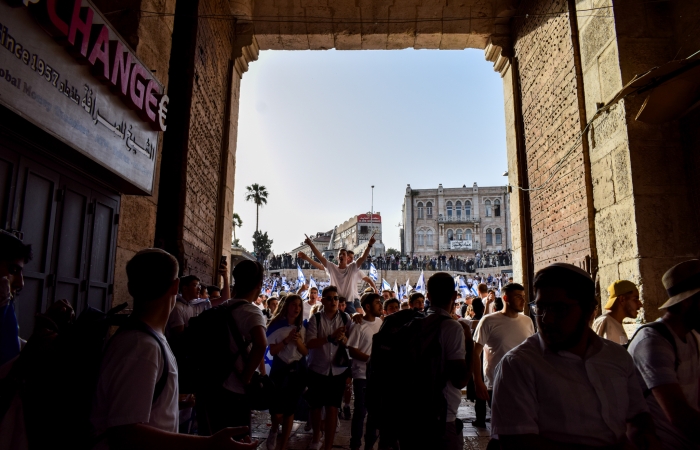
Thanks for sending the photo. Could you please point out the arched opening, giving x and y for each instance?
(420, 210)
(449, 210)
(450, 235)
(499, 237)
(429, 210)
(497, 208)
(487, 208)
(489, 237)
(458, 210)
(468, 209)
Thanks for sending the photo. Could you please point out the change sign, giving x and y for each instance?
(64, 68)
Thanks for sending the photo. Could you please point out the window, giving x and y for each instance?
(468, 235)
(429, 209)
(421, 233)
(420, 210)
(429, 242)
(468, 208)
(450, 235)
(449, 210)
(497, 208)
(459, 234)
(489, 237)
(364, 229)
(487, 204)
(458, 209)
(499, 239)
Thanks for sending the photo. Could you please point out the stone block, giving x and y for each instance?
(402, 27)
(319, 26)
(622, 173)
(602, 180)
(609, 69)
(616, 233)
(652, 293)
(429, 30)
(137, 223)
(606, 275)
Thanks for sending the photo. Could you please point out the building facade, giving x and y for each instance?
(456, 221)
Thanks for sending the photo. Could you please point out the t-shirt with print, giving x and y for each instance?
(345, 279)
(361, 339)
(608, 328)
(656, 366)
(452, 344)
(277, 332)
(499, 334)
(247, 317)
(131, 367)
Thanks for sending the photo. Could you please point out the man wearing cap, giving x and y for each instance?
(667, 358)
(623, 302)
(565, 387)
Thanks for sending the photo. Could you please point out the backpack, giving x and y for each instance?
(406, 350)
(59, 384)
(667, 334)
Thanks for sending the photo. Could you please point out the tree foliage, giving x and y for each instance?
(262, 245)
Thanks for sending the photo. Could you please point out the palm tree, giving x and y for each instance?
(237, 223)
(258, 195)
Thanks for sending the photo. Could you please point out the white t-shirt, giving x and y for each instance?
(452, 344)
(278, 332)
(361, 339)
(307, 308)
(608, 328)
(247, 317)
(566, 398)
(656, 366)
(131, 367)
(499, 334)
(345, 279)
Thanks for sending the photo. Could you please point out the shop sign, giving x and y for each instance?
(64, 68)
(369, 218)
(460, 245)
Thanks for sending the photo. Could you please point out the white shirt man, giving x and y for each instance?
(622, 303)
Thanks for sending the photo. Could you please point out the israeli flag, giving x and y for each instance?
(408, 287)
(498, 292)
(285, 286)
(274, 286)
(373, 274)
(312, 283)
(300, 276)
(385, 285)
(420, 286)
(463, 287)
(473, 290)
(396, 288)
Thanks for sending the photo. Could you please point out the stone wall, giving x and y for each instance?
(551, 117)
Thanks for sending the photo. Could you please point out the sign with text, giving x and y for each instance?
(460, 245)
(65, 69)
(369, 218)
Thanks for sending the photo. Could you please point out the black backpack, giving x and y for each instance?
(407, 349)
(204, 356)
(58, 386)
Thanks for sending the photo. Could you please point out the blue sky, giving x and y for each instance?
(319, 128)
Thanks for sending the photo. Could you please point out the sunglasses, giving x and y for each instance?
(335, 297)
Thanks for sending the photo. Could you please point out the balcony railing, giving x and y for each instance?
(448, 247)
(458, 219)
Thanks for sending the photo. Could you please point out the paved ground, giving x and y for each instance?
(474, 438)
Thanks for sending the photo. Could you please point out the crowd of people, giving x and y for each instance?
(187, 367)
(441, 262)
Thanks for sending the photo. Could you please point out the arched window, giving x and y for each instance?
(421, 233)
(499, 238)
(449, 210)
(459, 234)
(458, 209)
(429, 242)
(468, 235)
(487, 204)
(429, 209)
(497, 208)
(450, 235)
(420, 210)
(468, 208)
(489, 237)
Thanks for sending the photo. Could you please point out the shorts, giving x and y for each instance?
(325, 390)
(290, 381)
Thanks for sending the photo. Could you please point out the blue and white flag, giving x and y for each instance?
(312, 283)
(420, 286)
(463, 287)
(498, 292)
(274, 286)
(300, 276)
(408, 287)
(385, 285)
(396, 288)
(285, 286)
(373, 274)
(473, 290)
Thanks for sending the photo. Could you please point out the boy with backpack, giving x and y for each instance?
(326, 338)
(136, 400)
(431, 348)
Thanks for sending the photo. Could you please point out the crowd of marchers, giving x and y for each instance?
(185, 369)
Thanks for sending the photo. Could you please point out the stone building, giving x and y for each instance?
(456, 221)
(91, 176)
(353, 234)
